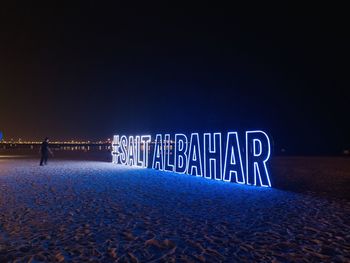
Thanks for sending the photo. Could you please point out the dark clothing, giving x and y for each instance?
(43, 159)
(44, 150)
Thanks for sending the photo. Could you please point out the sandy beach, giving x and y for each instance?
(92, 211)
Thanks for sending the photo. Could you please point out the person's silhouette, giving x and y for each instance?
(44, 151)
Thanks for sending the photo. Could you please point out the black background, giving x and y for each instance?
(87, 70)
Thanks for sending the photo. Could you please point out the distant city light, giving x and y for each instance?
(70, 142)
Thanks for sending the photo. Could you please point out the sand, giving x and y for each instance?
(89, 211)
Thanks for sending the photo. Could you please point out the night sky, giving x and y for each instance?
(88, 70)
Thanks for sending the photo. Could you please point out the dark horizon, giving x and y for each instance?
(88, 71)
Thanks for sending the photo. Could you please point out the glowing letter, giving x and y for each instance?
(131, 151)
(194, 164)
(138, 161)
(115, 149)
(233, 160)
(212, 156)
(124, 143)
(145, 140)
(158, 156)
(180, 157)
(167, 165)
(257, 154)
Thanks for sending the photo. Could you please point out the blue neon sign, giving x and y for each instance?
(210, 155)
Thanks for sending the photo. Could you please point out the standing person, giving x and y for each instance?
(44, 151)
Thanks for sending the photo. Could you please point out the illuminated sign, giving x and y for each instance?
(209, 155)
